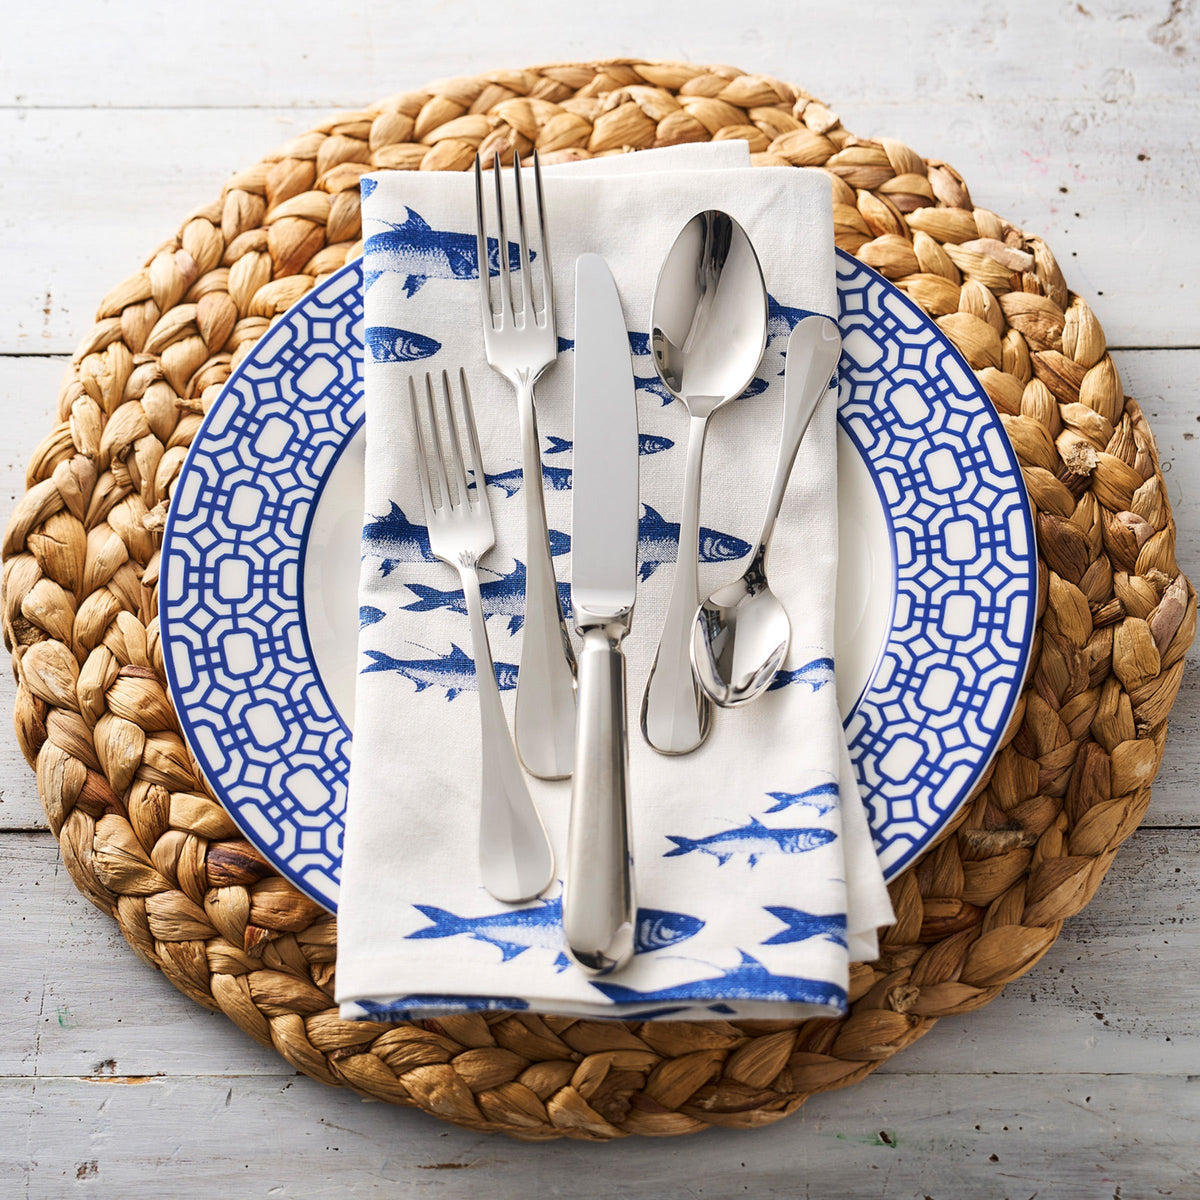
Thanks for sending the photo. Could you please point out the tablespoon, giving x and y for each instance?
(708, 333)
(741, 633)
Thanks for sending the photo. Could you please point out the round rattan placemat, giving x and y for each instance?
(143, 840)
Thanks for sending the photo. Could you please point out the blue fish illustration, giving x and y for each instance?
(648, 443)
(368, 615)
(454, 671)
(518, 930)
(655, 386)
(750, 980)
(658, 543)
(398, 1008)
(418, 252)
(388, 344)
(395, 539)
(781, 319)
(823, 797)
(803, 925)
(754, 840)
(815, 674)
(557, 479)
(504, 595)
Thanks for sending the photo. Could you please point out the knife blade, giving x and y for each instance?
(598, 897)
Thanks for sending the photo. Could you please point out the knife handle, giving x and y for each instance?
(598, 896)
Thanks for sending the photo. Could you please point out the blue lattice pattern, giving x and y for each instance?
(272, 744)
(962, 539)
(254, 709)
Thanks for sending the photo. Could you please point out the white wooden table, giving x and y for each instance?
(1075, 121)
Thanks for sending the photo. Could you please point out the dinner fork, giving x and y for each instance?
(521, 341)
(515, 858)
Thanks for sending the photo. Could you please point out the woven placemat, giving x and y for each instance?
(145, 842)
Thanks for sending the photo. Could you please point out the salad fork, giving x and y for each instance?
(515, 858)
(521, 340)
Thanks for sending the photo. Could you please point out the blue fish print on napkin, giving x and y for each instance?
(388, 344)
(394, 539)
(368, 614)
(823, 797)
(557, 479)
(803, 925)
(750, 980)
(781, 319)
(648, 443)
(454, 671)
(815, 674)
(418, 252)
(514, 932)
(753, 840)
(504, 595)
(404, 1004)
(658, 543)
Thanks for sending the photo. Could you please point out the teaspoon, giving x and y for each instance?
(741, 633)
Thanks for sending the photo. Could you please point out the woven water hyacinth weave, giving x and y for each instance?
(144, 841)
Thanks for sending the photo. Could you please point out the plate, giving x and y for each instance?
(257, 597)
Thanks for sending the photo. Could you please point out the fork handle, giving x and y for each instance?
(545, 713)
(515, 858)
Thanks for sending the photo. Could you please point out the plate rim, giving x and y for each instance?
(328, 897)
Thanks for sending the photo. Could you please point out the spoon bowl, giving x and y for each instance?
(708, 333)
(741, 633)
(739, 641)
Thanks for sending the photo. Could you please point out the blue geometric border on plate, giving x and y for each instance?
(951, 669)
(276, 752)
(253, 707)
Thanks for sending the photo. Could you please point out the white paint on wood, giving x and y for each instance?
(1069, 1137)
(116, 120)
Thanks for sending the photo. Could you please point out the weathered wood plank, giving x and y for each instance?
(971, 1137)
(1116, 993)
(1122, 229)
(230, 54)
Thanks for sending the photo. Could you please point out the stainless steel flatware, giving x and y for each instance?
(521, 341)
(598, 901)
(515, 859)
(709, 330)
(741, 632)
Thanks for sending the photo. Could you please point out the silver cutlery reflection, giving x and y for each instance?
(741, 632)
(515, 859)
(708, 333)
(598, 900)
(521, 341)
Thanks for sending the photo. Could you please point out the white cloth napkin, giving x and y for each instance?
(757, 879)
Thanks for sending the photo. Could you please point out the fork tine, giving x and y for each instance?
(456, 455)
(547, 274)
(476, 463)
(528, 301)
(422, 453)
(485, 270)
(439, 456)
(506, 293)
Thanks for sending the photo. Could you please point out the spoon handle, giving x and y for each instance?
(813, 349)
(676, 714)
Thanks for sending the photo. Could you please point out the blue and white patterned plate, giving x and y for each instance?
(257, 597)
